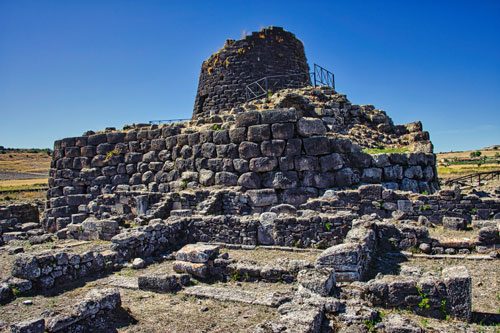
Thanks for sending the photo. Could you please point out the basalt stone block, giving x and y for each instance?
(171, 142)
(115, 137)
(228, 151)
(320, 281)
(370, 192)
(306, 163)
(401, 159)
(206, 177)
(258, 133)
(263, 197)
(26, 267)
(279, 116)
(283, 131)
(263, 164)
(97, 139)
(282, 180)
(454, 223)
(298, 196)
(409, 185)
(249, 180)
(221, 137)
(240, 165)
(208, 150)
(372, 175)
(158, 144)
(6, 294)
(272, 148)
(87, 151)
(394, 172)
(331, 162)
(226, 178)
(414, 172)
(310, 126)
(198, 253)
(428, 173)
(458, 284)
(248, 150)
(286, 163)
(72, 151)
(238, 134)
(345, 177)
(199, 270)
(133, 158)
(248, 118)
(317, 145)
(293, 147)
(360, 160)
(381, 160)
(163, 283)
(130, 136)
(29, 326)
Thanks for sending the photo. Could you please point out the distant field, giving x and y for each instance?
(455, 164)
(23, 175)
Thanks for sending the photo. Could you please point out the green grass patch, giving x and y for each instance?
(386, 150)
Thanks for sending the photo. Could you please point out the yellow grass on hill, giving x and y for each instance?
(18, 184)
(25, 162)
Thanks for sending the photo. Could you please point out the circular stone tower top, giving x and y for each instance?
(269, 52)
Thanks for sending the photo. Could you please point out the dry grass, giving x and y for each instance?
(466, 154)
(265, 256)
(25, 162)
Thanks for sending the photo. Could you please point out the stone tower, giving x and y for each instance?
(224, 76)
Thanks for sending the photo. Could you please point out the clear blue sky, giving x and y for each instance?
(71, 66)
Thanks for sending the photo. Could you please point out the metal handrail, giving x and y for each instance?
(261, 87)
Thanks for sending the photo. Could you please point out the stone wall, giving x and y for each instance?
(274, 156)
(386, 203)
(21, 213)
(223, 77)
(426, 294)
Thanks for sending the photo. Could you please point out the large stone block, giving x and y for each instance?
(248, 118)
(258, 133)
(248, 150)
(273, 148)
(454, 223)
(458, 284)
(283, 131)
(198, 253)
(263, 164)
(279, 116)
(317, 145)
(310, 126)
(264, 197)
(199, 270)
(320, 281)
(163, 282)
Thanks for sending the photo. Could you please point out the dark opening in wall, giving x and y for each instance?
(201, 101)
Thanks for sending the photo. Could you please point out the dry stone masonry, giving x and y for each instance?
(299, 170)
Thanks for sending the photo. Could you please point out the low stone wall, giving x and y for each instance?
(386, 203)
(22, 213)
(276, 156)
(45, 270)
(19, 221)
(427, 295)
(83, 316)
(351, 259)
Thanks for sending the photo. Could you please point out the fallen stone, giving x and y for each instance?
(29, 326)
(197, 253)
(320, 281)
(199, 270)
(163, 282)
(138, 263)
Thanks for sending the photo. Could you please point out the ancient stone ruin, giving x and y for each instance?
(293, 172)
